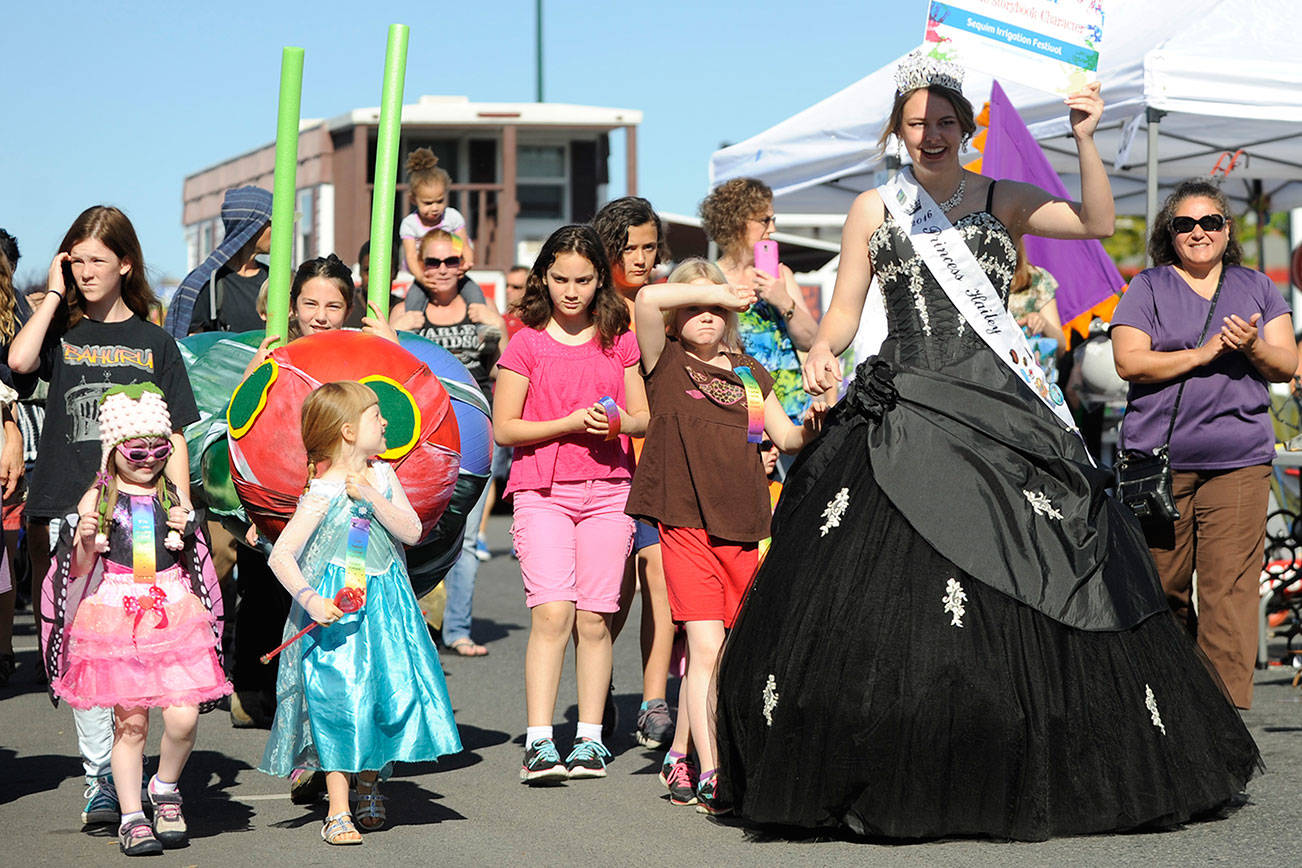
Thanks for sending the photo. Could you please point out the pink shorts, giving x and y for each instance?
(573, 539)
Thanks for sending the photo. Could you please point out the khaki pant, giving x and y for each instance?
(1221, 534)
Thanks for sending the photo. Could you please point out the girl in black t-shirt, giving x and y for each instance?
(90, 333)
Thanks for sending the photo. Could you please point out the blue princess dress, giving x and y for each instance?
(367, 690)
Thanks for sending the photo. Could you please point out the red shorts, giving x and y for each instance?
(707, 576)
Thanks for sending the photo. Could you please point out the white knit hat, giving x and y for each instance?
(129, 412)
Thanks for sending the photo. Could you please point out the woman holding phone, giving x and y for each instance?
(737, 215)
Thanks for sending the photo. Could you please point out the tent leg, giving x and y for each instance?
(1154, 118)
(1263, 217)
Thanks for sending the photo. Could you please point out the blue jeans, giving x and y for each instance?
(460, 581)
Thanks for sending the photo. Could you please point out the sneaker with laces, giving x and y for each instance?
(542, 763)
(169, 823)
(137, 839)
(681, 781)
(587, 759)
(665, 766)
(481, 549)
(101, 802)
(654, 725)
(707, 798)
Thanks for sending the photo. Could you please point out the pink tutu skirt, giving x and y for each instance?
(135, 647)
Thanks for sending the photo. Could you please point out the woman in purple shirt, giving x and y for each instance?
(1222, 443)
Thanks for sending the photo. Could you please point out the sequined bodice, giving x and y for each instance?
(927, 329)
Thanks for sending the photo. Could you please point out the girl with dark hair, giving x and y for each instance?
(91, 333)
(568, 397)
(320, 297)
(1201, 329)
(957, 631)
(634, 237)
(320, 300)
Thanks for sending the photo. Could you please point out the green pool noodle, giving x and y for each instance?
(386, 168)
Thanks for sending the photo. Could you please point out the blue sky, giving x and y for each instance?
(117, 102)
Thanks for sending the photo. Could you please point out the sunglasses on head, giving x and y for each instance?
(435, 262)
(145, 454)
(1209, 223)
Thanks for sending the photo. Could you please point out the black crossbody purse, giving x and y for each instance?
(1143, 479)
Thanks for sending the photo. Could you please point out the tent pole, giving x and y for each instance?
(1259, 205)
(1154, 122)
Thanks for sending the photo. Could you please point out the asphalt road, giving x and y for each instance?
(471, 809)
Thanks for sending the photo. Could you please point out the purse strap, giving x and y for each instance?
(1179, 393)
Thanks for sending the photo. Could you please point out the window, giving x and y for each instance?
(542, 182)
(304, 242)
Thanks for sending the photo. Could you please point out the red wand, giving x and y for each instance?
(348, 600)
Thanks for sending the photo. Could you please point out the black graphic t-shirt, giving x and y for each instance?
(462, 340)
(91, 358)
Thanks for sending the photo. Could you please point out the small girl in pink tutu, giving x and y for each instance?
(131, 623)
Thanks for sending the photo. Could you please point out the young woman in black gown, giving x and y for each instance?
(956, 631)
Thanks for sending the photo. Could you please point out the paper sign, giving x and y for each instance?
(1050, 45)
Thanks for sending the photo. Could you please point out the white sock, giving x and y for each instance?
(588, 730)
(158, 786)
(127, 818)
(533, 733)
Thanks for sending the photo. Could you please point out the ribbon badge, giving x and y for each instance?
(359, 537)
(150, 602)
(754, 404)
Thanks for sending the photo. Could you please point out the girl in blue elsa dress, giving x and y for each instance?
(365, 688)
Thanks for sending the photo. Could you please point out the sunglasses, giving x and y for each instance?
(146, 454)
(432, 262)
(1209, 223)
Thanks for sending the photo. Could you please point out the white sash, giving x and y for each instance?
(957, 271)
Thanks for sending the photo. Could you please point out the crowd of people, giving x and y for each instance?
(945, 625)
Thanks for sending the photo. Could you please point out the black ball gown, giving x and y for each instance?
(956, 630)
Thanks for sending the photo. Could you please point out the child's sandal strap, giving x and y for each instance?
(338, 828)
(371, 815)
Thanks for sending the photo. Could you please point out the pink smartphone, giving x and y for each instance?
(766, 257)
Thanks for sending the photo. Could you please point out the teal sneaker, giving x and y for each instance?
(542, 764)
(587, 759)
(101, 802)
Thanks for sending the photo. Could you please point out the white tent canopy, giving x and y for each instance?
(1216, 76)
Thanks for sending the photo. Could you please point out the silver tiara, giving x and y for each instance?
(918, 70)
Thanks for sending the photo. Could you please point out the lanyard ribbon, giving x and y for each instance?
(968, 287)
(142, 538)
(754, 404)
(359, 536)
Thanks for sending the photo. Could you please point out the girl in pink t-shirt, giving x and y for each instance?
(568, 395)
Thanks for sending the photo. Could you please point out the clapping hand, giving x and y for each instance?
(1239, 334)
